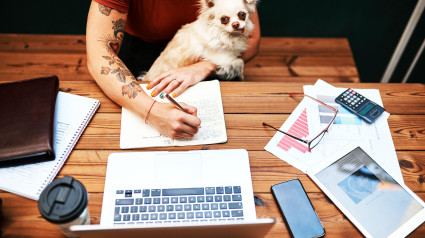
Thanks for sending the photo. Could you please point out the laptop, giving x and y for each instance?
(205, 193)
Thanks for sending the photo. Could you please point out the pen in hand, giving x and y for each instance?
(175, 103)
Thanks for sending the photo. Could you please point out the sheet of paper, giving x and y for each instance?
(205, 96)
(347, 128)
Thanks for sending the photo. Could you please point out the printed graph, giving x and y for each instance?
(298, 129)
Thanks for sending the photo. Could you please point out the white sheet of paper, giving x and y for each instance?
(205, 96)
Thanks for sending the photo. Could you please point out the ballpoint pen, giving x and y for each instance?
(175, 103)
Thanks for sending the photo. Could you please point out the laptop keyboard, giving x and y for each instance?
(174, 205)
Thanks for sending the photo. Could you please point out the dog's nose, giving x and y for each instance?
(235, 25)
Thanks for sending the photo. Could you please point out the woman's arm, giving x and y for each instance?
(104, 34)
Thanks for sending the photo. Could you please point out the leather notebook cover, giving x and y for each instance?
(27, 110)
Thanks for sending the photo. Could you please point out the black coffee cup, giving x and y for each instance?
(64, 203)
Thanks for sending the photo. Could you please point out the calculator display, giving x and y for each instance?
(366, 109)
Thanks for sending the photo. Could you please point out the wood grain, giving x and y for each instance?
(282, 66)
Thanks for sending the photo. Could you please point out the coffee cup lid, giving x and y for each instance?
(63, 200)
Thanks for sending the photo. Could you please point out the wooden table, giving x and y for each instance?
(246, 106)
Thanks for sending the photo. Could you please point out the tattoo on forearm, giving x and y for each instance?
(121, 73)
(105, 10)
(119, 28)
(111, 44)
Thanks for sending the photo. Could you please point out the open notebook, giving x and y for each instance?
(72, 115)
(205, 96)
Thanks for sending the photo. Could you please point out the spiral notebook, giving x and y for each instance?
(72, 115)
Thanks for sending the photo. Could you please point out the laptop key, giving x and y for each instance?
(161, 208)
(156, 200)
(235, 205)
(143, 208)
(236, 189)
(152, 208)
(200, 199)
(179, 207)
(227, 198)
(226, 213)
(154, 216)
(182, 191)
(205, 206)
(196, 207)
(117, 210)
(163, 216)
(126, 217)
(134, 209)
(148, 200)
(190, 215)
(219, 190)
(117, 217)
(228, 190)
(188, 207)
(210, 190)
(208, 214)
(172, 216)
(174, 200)
(139, 201)
(180, 215)
(217, 214)
(192, 199)
(214, 206)
(237, 197)
(156, 192)
(145, 216)
(146, 193)
(223, 206)
(209, 198)
(218, 198)
(199, 215)
(237, 213)
(124, 209)
(170, 208)
(129, 201)
(166, 200)
(136, 217)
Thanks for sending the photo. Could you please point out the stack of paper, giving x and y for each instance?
(347, 128)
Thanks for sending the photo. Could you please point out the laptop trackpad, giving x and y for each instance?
(177, 169)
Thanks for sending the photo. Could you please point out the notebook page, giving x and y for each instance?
(72, 114)
(205, 96)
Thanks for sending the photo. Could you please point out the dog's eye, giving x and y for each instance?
(242, 15)
(224, 20)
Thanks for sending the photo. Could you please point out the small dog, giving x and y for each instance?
(219, 35)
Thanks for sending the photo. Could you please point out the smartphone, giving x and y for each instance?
(297, 210)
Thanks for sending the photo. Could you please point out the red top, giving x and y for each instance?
(155, 20)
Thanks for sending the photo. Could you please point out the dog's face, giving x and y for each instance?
(232, 16)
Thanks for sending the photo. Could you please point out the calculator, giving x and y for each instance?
(360, 105)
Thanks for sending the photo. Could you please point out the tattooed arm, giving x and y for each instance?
(104, 34)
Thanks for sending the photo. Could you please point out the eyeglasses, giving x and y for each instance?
(315, 140)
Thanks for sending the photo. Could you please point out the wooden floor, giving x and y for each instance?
(279, 59)
(283, 66)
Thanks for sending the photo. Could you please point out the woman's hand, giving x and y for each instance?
(178, 80)
(174, 123)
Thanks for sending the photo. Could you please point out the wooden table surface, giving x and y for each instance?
(246, 106)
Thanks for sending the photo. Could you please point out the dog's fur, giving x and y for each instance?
(219, 35)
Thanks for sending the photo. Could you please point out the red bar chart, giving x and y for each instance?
(298, 129)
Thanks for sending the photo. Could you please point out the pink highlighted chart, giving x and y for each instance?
(298, 129)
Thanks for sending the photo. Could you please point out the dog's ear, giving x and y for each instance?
(205, 4)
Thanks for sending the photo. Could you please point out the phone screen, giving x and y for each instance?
(297, 210)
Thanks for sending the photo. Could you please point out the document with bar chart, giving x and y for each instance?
(308, 119)
(301, 124)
